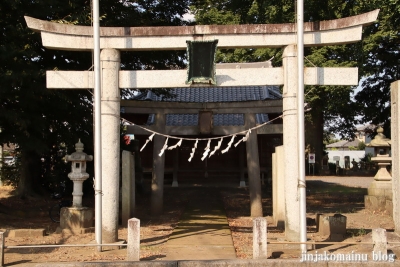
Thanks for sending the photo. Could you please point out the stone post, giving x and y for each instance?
(380, 241)
(110, 127)
(157, 181)
(253, 168)
(128, 187)
(259, 238)
(395, 132)
(290, 143)
(133, 249)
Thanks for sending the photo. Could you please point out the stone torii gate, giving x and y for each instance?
(116, 39)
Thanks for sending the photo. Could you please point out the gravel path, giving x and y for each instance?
(353, 181)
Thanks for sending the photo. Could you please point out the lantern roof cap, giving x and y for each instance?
(79, 155)
(380, 139)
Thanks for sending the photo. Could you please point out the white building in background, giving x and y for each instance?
(344, 148)
(357, 155)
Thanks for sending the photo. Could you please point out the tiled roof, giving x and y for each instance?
(216, 94)
(344, 143)
(367, 129)
(213, 94)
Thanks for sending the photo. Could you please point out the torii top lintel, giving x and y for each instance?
(72, 37)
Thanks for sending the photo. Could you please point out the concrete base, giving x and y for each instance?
(76, 219)
(381, 189)
(378, 203)
(379, 196)
(175, 184)
(242, 184)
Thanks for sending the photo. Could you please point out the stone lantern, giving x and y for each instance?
(78, 175)
(380, 143)
(77, 219)
(381, 146)
(380, 191)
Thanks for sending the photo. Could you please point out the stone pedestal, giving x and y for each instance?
(381, 188)
(380, 192)
(379, 196)
(77, 219)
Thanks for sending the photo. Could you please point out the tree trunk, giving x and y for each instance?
(319, 139)
(29, 173)
(315, 138)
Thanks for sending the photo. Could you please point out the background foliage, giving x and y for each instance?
(40, 120)
(335, 109)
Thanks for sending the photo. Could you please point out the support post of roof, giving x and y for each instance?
(110, 142)
(241, 166)
(274, 184)
(395, 131)
(253, 168)
(290, 143)
(176, 168)
(278, 188)
(127, 187)
(157, 180)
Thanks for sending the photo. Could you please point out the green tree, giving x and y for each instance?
(35, 118)
(361, 146)
(332, 107)
(38, 119)
(380, 64)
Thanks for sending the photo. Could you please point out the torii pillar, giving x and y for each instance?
(290, 143)
(157, 178)
(110, 127)
(395, 137)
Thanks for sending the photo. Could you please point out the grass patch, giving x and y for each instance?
(334, 198)
(318, 187)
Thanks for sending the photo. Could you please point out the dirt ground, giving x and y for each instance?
(322, 197)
